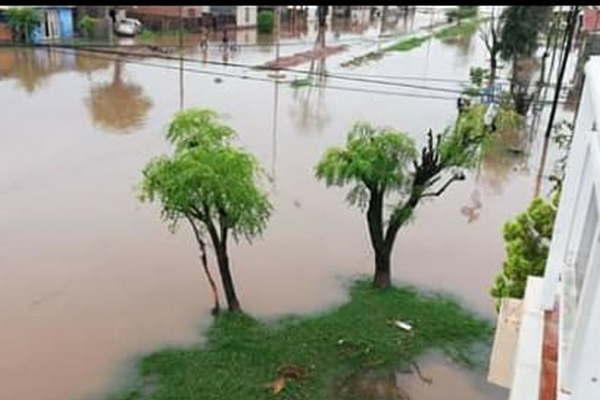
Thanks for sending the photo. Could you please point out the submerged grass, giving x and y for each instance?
(407, 44)
(301, 82)
(243, 355)
(465, 29)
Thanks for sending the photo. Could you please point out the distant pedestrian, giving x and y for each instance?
(225, 39)
(203, 38)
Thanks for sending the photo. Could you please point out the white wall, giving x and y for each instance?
(246, 16)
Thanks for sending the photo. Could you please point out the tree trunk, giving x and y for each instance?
(226, 278)
(383, 272)
(382, 276)
(493, 67)
(203, 258)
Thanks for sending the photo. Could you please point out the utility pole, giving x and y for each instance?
(277, 74)
(277, 28)
(181, 57)
(569, 32)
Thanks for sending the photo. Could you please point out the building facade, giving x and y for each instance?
(591, 19)
(546, 345)
(56, 22)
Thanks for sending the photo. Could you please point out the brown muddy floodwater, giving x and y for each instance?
(434, 377)
(90, 278)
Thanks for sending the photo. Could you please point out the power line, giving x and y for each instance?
(248, 66)
(569, 39)
(245, 77)
(342, 76)
(259, 79)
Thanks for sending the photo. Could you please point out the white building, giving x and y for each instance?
(246, 16)
(547, 346)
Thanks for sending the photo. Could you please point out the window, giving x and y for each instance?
(247, 13)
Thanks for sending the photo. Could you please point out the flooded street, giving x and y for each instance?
(90, 278)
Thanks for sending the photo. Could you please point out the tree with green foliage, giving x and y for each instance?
(490, 35)
(462, 12)
(521, 28)
(87, 25)
(265, 21)
(22, 21)
(527, 240)
(384, 163)
(212, 185)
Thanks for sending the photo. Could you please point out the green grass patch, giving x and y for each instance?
(147, 35)
(465, 29)
(407, 44)
(242, 355)
(361, 60)
(301, 82)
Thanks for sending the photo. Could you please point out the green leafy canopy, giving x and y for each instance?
(527, 239)
(384, 159)
(374, 156)
(207, 178)
(198, 126)
(521, 26)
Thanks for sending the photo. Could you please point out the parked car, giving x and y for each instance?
(128, 27)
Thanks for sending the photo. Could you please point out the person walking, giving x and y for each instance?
(225, 39)
(203, 38)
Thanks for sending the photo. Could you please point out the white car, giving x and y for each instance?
(128, 27)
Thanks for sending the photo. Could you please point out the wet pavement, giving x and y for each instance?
(90, 278)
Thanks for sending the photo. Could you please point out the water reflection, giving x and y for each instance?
(31, 68)
(35, 66)
(506, 155)
(312, 111)
(88, 65)
(473, 210)
(118, 106)
(273, 176)
(433, 378)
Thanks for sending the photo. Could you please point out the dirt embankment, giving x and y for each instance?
(304, 56)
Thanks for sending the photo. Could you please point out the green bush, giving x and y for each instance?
(23, 21)
(462, 12)
(86, 26)
(266, 21)
(527, 239)
(146, 35)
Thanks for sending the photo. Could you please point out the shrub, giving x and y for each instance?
(86, 25)
(266, 21)
(527, 240)
(23, 21)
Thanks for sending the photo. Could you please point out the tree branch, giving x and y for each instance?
(203, 258)
(455, 177)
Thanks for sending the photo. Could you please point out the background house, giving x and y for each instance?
(238, 16)
(591, 19)
(246, 16)
(5, 33)
(57, 22)
(167, 17)
(546, 345)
